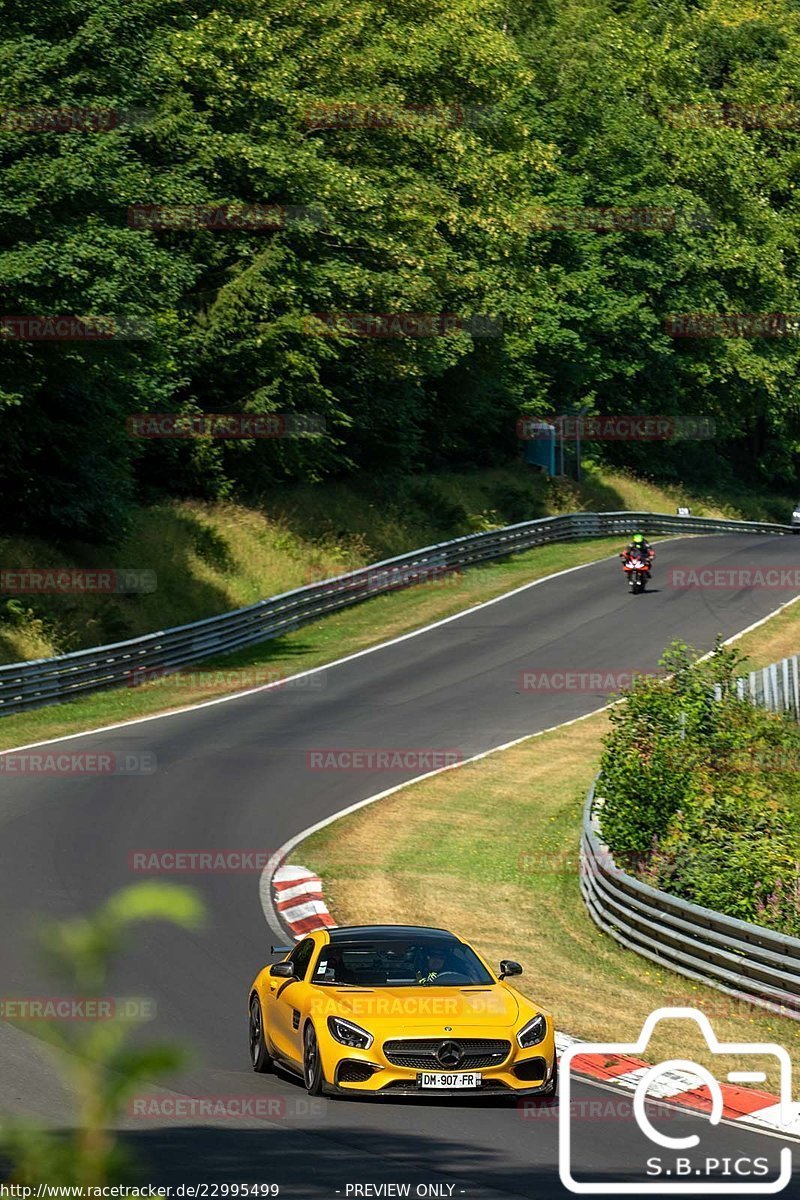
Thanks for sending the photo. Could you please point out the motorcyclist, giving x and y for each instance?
(639, 547)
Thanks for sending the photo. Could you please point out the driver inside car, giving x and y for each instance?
(435, 967)
(335, 970)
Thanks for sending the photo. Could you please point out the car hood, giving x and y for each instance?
(407, 1009)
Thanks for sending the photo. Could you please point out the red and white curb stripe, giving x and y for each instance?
(297, 894)
(298, 898)
(757, 1109)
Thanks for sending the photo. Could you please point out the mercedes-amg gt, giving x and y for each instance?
(399, 1010)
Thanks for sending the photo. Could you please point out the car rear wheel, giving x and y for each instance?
(312, 1062)
(259, 1055)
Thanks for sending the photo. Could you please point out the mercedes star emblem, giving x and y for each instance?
(450, 1054)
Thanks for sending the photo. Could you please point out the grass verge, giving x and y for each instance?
(491, 850)
(778, 638)
(357, 628)
(210, 558)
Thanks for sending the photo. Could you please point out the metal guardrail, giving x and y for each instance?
(747, 961)
(52, 680)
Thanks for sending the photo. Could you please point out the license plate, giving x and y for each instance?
(456, 1079)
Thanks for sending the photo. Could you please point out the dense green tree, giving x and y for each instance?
(499, 112)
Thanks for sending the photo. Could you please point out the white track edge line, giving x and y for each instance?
(268, 687)
(285, 850)
(265, 882)
(348, 658)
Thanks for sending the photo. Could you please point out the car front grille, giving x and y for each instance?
(422, 1053)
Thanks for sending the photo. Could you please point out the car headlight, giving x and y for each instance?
(796, 516)
(532, 1033)
(349, 1034)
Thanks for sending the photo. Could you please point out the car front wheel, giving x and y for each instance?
(259, 1055)
(312, 1062)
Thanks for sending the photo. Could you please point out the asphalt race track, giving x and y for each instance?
(235, 775)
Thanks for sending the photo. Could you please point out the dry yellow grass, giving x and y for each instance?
(778, 638)
(211, 557)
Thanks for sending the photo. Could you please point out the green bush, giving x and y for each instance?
(702, 796)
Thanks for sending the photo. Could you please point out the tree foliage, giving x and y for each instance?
(573, 104)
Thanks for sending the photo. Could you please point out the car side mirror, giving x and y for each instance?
(509, 967)
(283, 970)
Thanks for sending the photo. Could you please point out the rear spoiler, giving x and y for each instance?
(280, 949)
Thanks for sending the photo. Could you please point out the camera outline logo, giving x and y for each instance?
(693, 1185)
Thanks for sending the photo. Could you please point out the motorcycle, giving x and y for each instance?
(637, 571)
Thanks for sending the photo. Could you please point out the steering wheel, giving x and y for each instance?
(450, 977)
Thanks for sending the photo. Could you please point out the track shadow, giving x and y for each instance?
(324, 1165)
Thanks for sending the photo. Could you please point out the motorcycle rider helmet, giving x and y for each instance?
(637, 539)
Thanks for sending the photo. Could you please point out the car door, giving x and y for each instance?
(284, 1003)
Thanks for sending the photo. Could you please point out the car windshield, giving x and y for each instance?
(398, 963)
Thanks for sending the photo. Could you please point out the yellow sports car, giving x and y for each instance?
(397, 1010)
